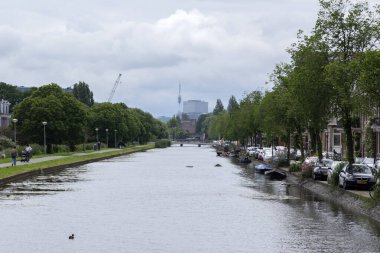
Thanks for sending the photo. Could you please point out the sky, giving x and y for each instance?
(213, 48)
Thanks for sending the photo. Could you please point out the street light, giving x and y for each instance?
(44, 123)
(97, 137)
(115, 136)
(107, 136)
(14, 123)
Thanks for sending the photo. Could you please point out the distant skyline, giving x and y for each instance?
(214, 48)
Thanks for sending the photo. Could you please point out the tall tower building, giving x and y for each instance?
(195, 108)
(179, 99)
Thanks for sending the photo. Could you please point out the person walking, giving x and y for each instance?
(28, 151)
(14, 156)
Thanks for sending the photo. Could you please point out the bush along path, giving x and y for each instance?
(48, 164)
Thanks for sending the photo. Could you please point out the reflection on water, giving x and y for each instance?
(174, 200)
(42, 184)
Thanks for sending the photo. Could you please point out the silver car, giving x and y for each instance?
(358, 175)
(321, 168)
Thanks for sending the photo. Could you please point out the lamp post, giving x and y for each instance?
(14, 123)
(115, 136)
(44, 123)
(107, 136)
(97, 137)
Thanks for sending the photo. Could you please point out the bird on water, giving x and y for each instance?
(71, 236)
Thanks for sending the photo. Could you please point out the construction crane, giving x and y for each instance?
(114, 87)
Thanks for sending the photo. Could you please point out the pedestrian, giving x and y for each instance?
(28, 150)
(14, 156)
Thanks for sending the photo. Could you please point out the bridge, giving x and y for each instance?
(191, 143)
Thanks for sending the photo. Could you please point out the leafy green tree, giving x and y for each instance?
(65, 117)
(233, 105)
(369, 79)
(219, 108)
(82, 92)
(218, 126)
(11, 94)
(249, 109)
(347, 29)
(310, 92)
(174, 128)
(114, 117)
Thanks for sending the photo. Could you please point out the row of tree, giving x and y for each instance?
(334, 72)
(74, 118)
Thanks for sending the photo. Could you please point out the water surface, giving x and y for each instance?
(174, 200)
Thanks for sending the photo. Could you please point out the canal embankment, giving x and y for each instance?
(46, 165)
(356, 201)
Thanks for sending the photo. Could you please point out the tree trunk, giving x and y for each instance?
(319, 145)
(300, 139)
(349, 138)
(288, 153)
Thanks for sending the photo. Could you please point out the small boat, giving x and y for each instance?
(275, 174)
(261, 168)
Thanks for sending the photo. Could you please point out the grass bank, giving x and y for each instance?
(13, 173)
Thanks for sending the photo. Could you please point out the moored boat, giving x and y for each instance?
(275, 174)
(261, 168)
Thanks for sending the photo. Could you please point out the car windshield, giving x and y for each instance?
(360, 169)
(369, 160)
(327, 163)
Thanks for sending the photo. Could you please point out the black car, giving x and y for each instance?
(358, 175)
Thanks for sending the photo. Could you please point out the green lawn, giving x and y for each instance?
(10, 171)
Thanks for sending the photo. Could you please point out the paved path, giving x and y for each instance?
(49, 158)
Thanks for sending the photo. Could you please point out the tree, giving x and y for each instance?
(249, 108)
(218, 107)
(310, 92)
(233, 105)
(11, 94)
(66, 117)
(369, 79)
(174, 127)
(82, 92)
(348, 29)
(201, 126)
(114, 117)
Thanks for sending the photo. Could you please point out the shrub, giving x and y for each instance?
(37, 149)
(6, 142)
(60, 148)
(283, 162)
(306, 169)
(334, 180)
(295, 167)
(162, 144)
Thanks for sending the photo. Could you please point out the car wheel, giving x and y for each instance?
(345, 186)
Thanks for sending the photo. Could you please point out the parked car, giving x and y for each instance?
(251, 151)
(358, 175)
(377, 165)
(321, 168)
(312, 160)
(369, 161)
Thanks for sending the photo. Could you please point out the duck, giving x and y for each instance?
(71, 237)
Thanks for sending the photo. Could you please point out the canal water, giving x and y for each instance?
(174, 200)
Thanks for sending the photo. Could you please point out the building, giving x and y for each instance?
(189, 126)
(5, 117)
(195, 108)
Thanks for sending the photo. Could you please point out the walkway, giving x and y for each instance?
(49, 158)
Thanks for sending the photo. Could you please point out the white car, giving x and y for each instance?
(333, 168)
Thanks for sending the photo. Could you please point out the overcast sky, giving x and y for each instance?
(214, 48)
